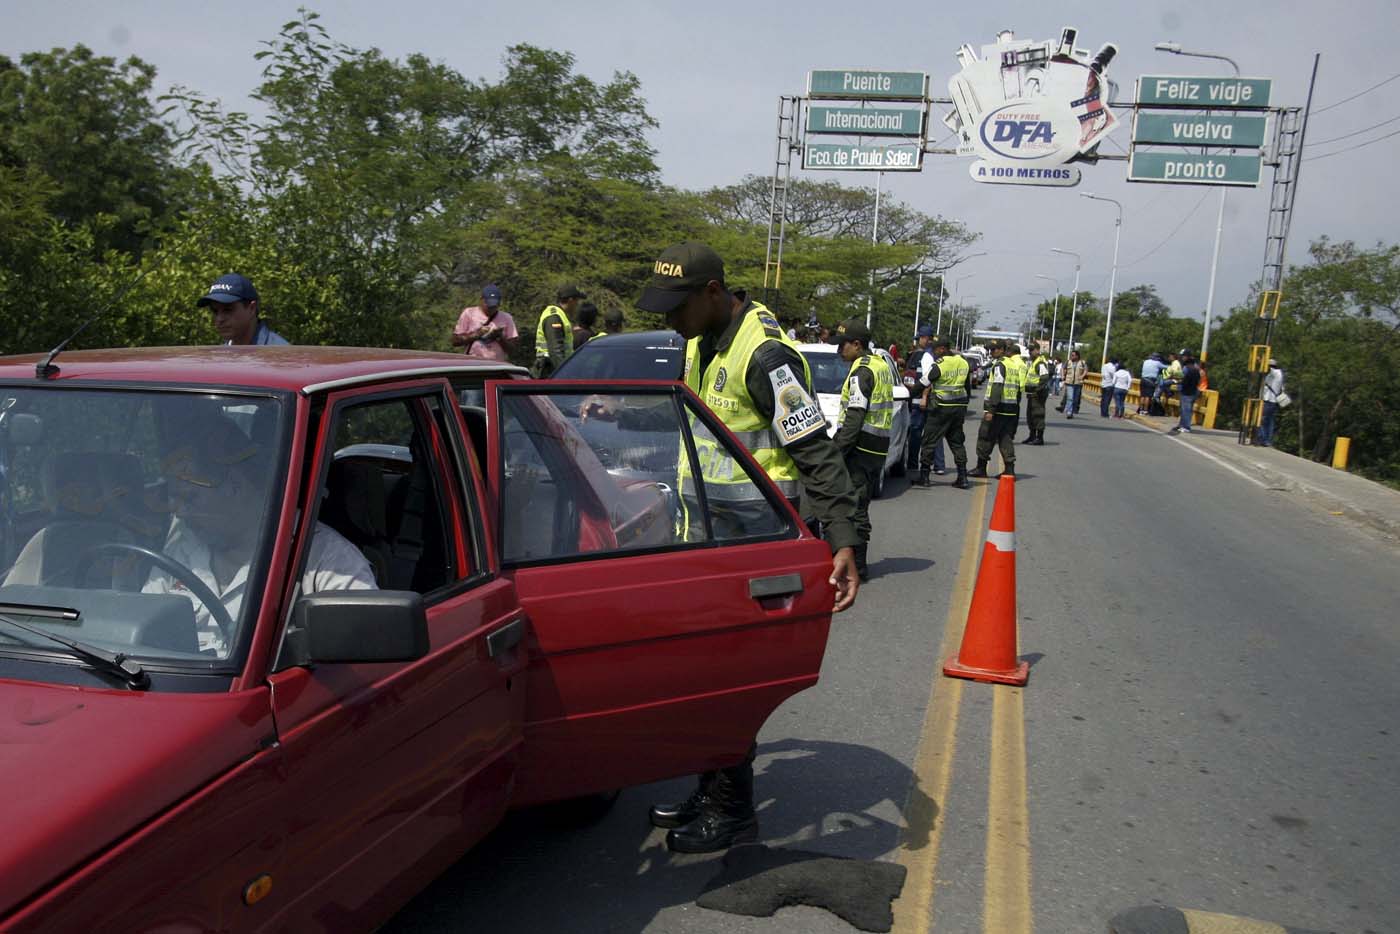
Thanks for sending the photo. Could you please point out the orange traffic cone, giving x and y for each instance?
(988, 650)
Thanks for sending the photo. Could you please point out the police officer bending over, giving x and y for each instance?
(739, 361)
(867, 417)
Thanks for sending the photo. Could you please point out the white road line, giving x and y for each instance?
(1206, 454)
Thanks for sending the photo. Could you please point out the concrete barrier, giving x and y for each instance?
(1203, 414)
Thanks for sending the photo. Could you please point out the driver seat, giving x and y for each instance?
(91, 498)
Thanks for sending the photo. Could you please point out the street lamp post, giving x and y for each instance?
(919, 300)
(1055, 315)
(874, 233)
(957, 283)
(1074, 303)
(1176, 49)
(1113, 277)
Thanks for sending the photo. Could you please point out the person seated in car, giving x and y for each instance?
(217, 485)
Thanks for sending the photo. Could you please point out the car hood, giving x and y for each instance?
(80, 769)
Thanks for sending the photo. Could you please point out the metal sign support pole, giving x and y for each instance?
(1289, 135)
(789, 113)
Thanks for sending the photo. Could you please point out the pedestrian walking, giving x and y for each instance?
(1274, 398)
(1190, 389)
(1075, 370)
(1147, 383)
(736, 359)
(554, 334)
(947, 376)
(1001, 408)
(485, 331)
(1106, 387)
(864, 424)
(1037, 394)
(1057, 378)
(233, 302)
(1122, 384)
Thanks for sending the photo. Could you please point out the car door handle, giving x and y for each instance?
(780, 585)
(500, 641)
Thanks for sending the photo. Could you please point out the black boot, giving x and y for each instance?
(726, 819)
(961, 483)
(683, 812)
(979, 471)
(862, 568)
(1030, 439)
(921, 478)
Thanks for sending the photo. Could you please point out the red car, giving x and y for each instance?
(284, 631)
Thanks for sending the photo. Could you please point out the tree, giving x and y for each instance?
(1338, 339)
(87, 126)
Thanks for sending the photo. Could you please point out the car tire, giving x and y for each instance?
(897, 468)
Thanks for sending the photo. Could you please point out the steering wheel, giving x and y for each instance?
(217, 611)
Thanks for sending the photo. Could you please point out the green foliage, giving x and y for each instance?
(1337, 338)
(83, 130)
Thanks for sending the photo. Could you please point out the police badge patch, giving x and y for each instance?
(720, 379)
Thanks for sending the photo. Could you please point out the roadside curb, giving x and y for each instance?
(1289, 483)
(1156, 919)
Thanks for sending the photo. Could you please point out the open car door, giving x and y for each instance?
(666, 631)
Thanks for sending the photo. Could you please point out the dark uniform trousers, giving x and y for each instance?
(865, 475)
(999, 432)
(1035, 409)
(944, 422)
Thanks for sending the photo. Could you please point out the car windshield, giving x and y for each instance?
(828, 371)
(146, 512)
(614, 358)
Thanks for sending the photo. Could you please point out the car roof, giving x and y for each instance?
(294, 368)
(640, 340)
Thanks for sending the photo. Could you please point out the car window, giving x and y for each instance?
(148, 512)
(829, 371)
(613, 358)
(382, 494)
(585, 474)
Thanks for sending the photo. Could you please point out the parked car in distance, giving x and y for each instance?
(829, 372)
(284, 631)
(630, 355)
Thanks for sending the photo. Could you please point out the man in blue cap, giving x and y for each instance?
(234, 303)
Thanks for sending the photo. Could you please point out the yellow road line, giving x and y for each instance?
(933, 764)
(1006, 886)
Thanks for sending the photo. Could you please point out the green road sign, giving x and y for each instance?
(1186, 168)
(865, 121)
(868, 85)
(877, 157)
(1240, 131)
(1204, 93)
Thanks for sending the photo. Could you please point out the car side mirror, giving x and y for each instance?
(348, 626)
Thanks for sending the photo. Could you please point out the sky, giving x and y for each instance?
(712, 75)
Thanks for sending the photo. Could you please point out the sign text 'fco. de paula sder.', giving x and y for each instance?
(870, 157)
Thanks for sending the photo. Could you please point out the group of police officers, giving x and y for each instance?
(747, 369)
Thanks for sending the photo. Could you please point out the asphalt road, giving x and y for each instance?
(1211, 723)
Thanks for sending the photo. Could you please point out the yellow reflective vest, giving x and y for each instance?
(1015, 380)
(874, 434)
(722, 386)
(951, 389)
(542, 342)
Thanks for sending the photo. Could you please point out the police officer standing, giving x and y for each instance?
(1037, 394)
(1001, 408)
(866, 420)
(912, 371)
(947, 378)
(739, 361)
(554, 335)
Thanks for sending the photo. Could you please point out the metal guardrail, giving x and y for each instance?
(1203, 415)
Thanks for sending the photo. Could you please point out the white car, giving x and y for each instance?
(829, 371)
